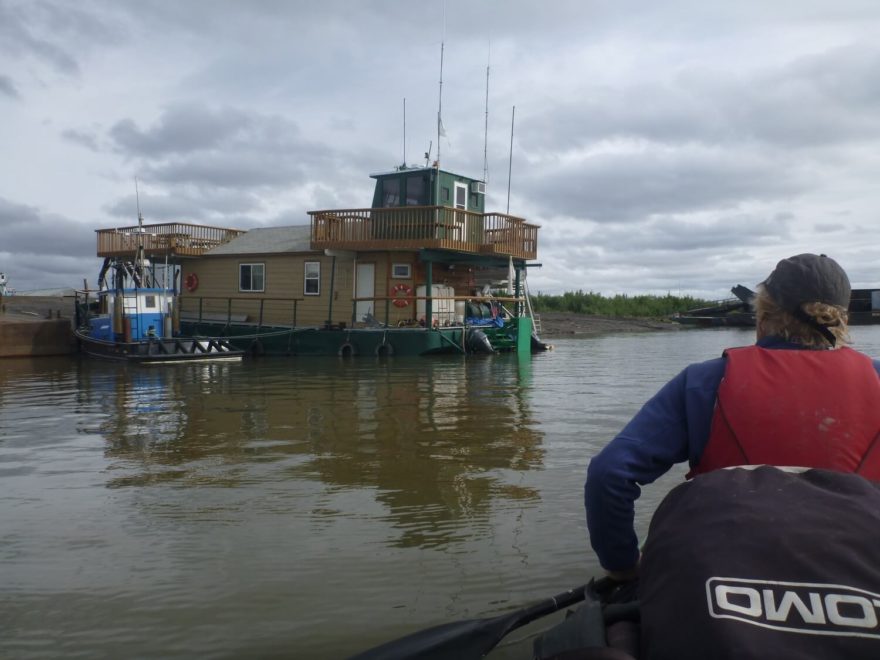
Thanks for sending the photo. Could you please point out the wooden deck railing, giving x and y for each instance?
(415, 227)
(171, 239)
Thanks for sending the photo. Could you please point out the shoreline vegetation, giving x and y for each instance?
(579, 302)
(576, 314)
(580, 314)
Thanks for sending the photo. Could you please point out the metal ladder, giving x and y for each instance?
(536, 320)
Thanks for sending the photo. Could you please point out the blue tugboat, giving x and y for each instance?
(134, 316)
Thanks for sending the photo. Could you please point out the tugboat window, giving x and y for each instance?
(150, 302)
(391, 192)
(415, 191)
(251, 277)
(312, 280)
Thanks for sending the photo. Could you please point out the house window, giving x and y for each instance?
(251, 277)
(415, 191)
(312, 278)
(391, 192)
(401, 271)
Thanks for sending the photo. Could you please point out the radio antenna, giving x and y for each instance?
(440, 130)
(486, 122)
(510, 163)
(137, 198)
(139, 269)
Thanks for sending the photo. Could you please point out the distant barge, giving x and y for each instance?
(735, 311)
(864, 309)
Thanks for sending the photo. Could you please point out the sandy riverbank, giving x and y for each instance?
(567, 324)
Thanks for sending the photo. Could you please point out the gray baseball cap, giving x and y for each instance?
(806, 278)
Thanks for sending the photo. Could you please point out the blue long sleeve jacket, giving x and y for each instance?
(672, 427)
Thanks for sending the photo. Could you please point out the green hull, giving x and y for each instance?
(336, 342)
(358, 342)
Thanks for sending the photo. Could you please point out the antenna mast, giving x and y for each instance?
(486, 124)
(137, 198)
(510, 164)
(404, 132)
(440, 130)
(139, 259)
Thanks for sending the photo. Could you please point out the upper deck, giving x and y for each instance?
(396, 228)
(177, 239)
(417, 227)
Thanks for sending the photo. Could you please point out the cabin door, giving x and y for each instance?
(365, 287)
(461, 195)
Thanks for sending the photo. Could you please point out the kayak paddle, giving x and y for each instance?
(472, 638)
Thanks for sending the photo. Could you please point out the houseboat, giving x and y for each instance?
(424, 270)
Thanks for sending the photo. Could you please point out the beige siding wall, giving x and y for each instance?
(284, 282)
(285, 275)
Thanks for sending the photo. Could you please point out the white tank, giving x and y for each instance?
(459, 311)
(442, 304)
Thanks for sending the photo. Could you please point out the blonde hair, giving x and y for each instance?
(773, 320)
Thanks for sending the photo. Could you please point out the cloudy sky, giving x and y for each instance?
(672, 146)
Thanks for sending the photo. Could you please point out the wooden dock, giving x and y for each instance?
(32, 326)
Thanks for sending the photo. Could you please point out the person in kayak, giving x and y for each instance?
(797, 397)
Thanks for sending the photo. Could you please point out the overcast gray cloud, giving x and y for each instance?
(674, 146)
(7, 87)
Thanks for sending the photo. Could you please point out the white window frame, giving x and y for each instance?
(252, 289)
(405, 272)
(311, 278)
(459, 186)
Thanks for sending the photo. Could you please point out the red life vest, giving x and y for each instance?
(805, 408)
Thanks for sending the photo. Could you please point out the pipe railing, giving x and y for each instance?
(175, 238)
(229, 310)
(518, 305)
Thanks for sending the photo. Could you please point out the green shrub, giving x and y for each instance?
(580, 302)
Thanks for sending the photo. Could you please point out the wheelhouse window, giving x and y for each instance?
(415, 191)
(150, 301)
(401, 271)
(391, 192)
(251, 277)
(312, 278)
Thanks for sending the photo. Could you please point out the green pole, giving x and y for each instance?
(516, 293)
(332, 284)
(429, 287)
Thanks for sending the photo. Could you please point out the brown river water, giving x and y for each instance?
(306, 508)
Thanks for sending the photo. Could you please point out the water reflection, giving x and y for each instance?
(245, 510)
(432, 441)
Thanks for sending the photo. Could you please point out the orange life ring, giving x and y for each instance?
(191, 282)
(397, 290)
